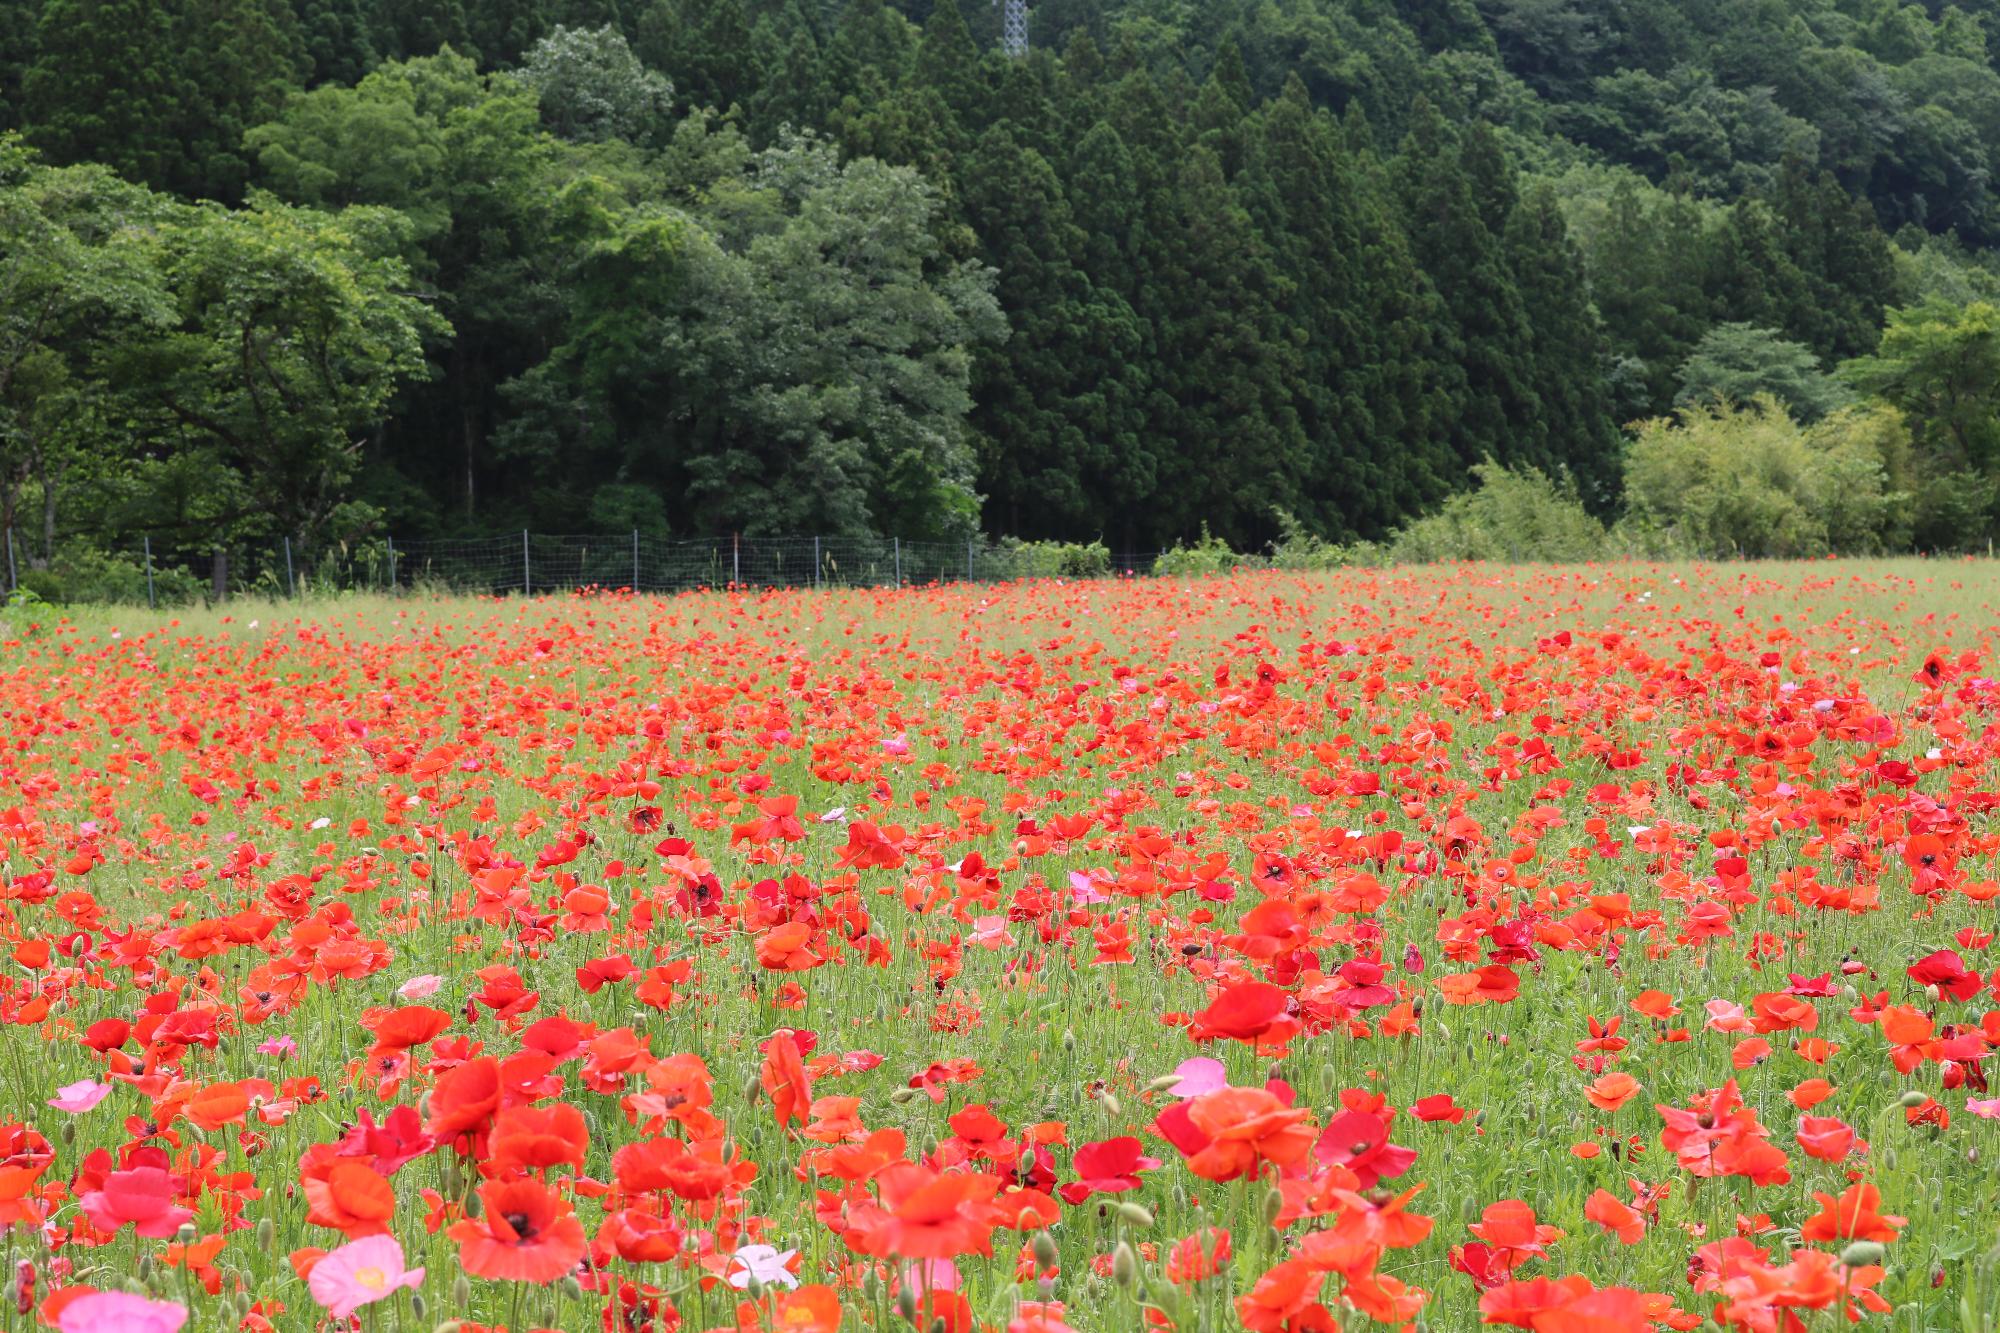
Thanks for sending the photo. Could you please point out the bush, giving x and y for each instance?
(1014, 558)
(1210, 555)
(1718, 481)
(1513, 516)
(1296, 548)
(81, 574)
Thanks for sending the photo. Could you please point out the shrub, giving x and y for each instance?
(1719, 480)
(1014, 558)
(1210, 555)
(1512, 516)
(1297, 548)
(82, 574)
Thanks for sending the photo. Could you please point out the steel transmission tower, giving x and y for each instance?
(1013, 26)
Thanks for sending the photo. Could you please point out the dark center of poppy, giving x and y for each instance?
(523, 1228)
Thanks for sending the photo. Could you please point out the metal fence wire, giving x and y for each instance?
(536, 562)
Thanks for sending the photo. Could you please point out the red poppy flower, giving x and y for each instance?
(525, 1232)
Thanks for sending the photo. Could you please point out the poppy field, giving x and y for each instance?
(1573, 950)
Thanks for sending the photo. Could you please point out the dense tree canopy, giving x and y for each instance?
(839, 266)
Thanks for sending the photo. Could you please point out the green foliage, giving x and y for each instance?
(1297, 547)
(1735, 363)
(1721, 480)
(843, 268)
(1515, 514)
(592, 87)
(1069, 560)
(1210, 555)
(80, 574)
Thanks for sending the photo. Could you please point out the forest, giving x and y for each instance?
(328, 268)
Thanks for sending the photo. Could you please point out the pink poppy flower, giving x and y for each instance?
(1199, 1075)
(76, 1098)
(360, 1273)
(121, 1312)
(420, 987)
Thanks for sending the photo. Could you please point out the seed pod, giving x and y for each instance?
(1124, 1265)
(1862, 1253)
(1069, 1039)
(1134, 1214)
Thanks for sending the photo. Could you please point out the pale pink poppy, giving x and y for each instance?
(1985, 1110)
(76, 1098)
(1199, 1075)
(1724, 1016)
(360, 1273)
(762, 1263)
(121, 1312)
(990, 932)
(421, 987)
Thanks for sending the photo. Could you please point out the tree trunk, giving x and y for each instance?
(220, 582)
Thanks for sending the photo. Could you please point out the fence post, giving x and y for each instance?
(899, 560)
(527, 573)
(816, 565)
(635, 562)
(735, 559)
(291, 589)
(392, 565)
(219, 575)
(148, 540)
(13, 575)
(968, 559)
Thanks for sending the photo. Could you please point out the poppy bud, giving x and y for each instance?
(755, 1288)
(572, 1290)
(68, 1132)
(903, 1096)
(871, 1286)
(753, 1088)
(1274, 1203)
(1912, 1098)
(1160, 1084)
(938, 1325)
(145, 1268)
(1135, 1215)
(1109, 1101)
(1069, 1039)
(1972, 1157)
(461, 1291)
(1124, 1265)
(906, 1303)
(474, 1206)
(1862, 1253)
(417, 1304)
(1044, 1246)
(185, 1233)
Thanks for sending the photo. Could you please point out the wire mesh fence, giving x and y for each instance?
(534, 563)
